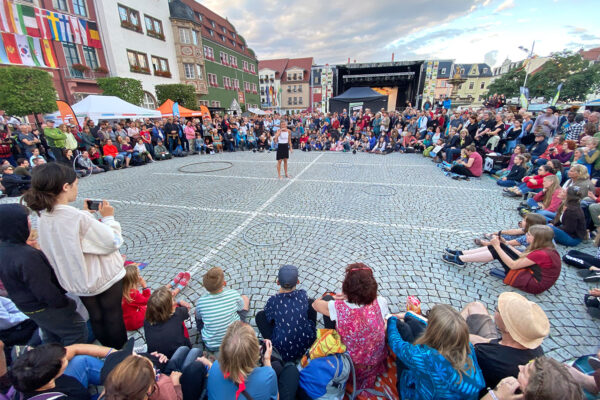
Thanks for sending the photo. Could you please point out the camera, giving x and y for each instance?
(93, 205)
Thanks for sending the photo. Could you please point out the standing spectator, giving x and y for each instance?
(190, 134)
(83, 251)
(548, 122)
(31, 282)
(6, 144)
(27, 139)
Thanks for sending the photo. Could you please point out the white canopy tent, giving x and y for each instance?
(256, 111)
(98, 107)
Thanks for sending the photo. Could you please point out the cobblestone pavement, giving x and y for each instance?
(396, 213)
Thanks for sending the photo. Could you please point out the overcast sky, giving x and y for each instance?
(368, 31)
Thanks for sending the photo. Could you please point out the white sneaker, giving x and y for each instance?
(212, 152)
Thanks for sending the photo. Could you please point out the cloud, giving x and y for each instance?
(507, 4)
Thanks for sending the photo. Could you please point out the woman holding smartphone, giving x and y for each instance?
(83, 250)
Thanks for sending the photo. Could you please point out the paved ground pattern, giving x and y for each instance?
(396, 213)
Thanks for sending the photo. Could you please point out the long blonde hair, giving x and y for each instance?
(542, 238)
(239, 352)
(130, 280)
(448, 333)
(550, 191)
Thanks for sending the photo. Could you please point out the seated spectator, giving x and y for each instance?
(558, 169)
(35, 155)
(547, 201)
(515, 237)
(52, 368)
(97, 159)
(111, 154)
(542, 378)
(85, 164)
(219, 308)
(519, 150)
(530, 183)
(591, 301)
(237, 372)
(515, 174)
(23, 168)
(16, 328)
(578, 176)
(461, 141)
(164, 327)
(359, 316)
(126, 152)
(538, 147)
(14, 185)
(522, 326)
(562, 153)
(288, 319)
(161, 152)
(533, 271)
(135, 378)
(473, 167)
(140, 148)
(134, 302)
(217, 141)
(586, 261)
(441, 364)
(569, 223)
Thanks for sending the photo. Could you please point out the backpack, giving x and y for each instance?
(488, 164)
(325, 378)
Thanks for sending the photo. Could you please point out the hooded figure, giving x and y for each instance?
(31, 282)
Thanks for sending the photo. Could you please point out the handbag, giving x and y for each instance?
(328, 342)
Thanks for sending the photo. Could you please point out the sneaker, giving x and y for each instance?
(524, 211)
(593, 277)
(452, 259)
(177, 279)
(453, 252)
(185, 279)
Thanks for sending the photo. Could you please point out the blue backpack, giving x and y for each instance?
(325, 378)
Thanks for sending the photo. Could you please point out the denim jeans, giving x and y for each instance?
(548, 214)
(86, 369)
(183, 358)
(562, 237)
(193, 372)
(450, 154)
(532, 203)
(506, 183)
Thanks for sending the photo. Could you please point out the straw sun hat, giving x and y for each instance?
(526, 322)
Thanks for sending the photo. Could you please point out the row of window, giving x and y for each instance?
(72, 55)
(130, 19)
(472, 86)
(138, 62)
(79, 6)
(296, 100)
(228, 59)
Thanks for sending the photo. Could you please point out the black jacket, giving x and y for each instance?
(15, 184)
(516, 173)
(25, 271)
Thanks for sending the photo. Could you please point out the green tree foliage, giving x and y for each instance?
(508, 84)
(25, 91)
(185, 95)
(127, 89)
(578, 76)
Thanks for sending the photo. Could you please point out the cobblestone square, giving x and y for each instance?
(396, 213)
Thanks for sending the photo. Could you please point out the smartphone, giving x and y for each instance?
(94, 205)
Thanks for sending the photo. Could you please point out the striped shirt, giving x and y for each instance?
(217, 312)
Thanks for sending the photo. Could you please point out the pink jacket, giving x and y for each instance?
(190, 132)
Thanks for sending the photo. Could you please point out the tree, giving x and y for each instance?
(508, 84)
(127, 89)
(25, 91)
(578, 76)
(180, 93)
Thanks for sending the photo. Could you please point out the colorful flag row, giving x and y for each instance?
(22, 19)
(26, 50)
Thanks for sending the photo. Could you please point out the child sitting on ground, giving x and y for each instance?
(288, 320)
(134, 302)
(140, 147)
(164, 327)
(216, 310)
(161, 152)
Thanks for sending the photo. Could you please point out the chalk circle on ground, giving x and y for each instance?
(269, 233)
(379, 190)
(204, 167)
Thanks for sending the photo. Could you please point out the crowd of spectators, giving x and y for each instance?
(65, 288)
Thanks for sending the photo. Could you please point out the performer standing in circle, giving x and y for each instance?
(283, 138)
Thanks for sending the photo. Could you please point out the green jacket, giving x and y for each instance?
(55, 137)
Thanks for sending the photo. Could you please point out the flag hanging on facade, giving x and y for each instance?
(10, 45)
(93, 35)
(24, 50)
(25, 18)
(36, 51)
(3, 55)
(42, 22)
(48, 52)
(76, 29)
(83, 30)
(5, 21)
(16, 23)
(66, 28)
(54, 26)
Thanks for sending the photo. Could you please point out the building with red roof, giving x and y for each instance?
(285, 84)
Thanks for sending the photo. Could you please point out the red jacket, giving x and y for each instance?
(134, 311)
(539, 181)
(554, 203)
(110, 150)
